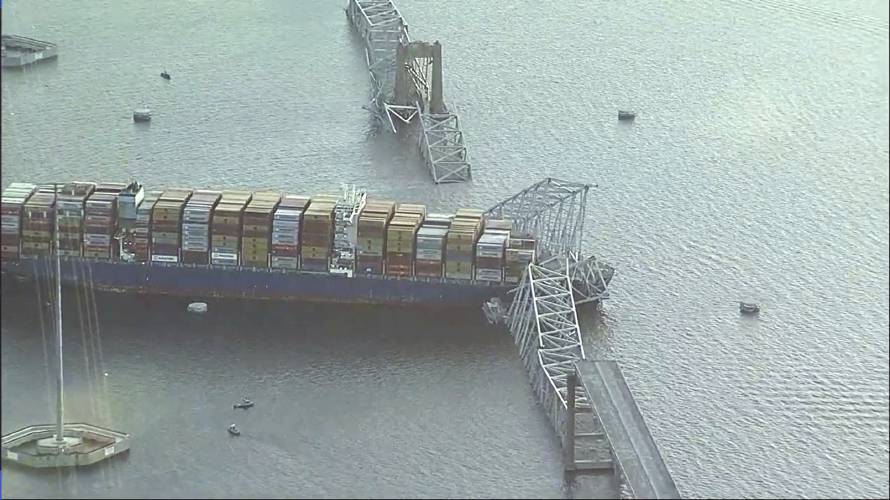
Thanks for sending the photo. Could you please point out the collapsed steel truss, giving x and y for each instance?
(542, 317)
(442, 147)
(554, 211)
(544, 324)
(406, 81)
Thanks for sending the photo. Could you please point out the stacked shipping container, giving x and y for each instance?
(70, 216)
(371, 236)
(430, 246)
(260, 230)
(37, 223)
(318, 234)
(12, 204)
(166, 225)
(99, 225)
(139, 240)
(226, 226)
(286, 223)
(256, 234)
(490, 251)
(520, 252)
(196, 226)
(128, 202)
(459, 246)
(400, 239)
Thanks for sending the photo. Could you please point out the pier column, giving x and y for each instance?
(437, 103)
(568, 448)
(403, 79)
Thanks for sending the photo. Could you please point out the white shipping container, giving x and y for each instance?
(495, 252)
(491, 275)
(283, 262)
(10, 219)
(164, 258)
(423, 254)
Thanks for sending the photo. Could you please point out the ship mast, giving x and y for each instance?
(60, 439)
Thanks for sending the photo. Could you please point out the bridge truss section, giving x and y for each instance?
(383, 29)
(554, 211)
(442, 147)
(406, 80)
(544, 324)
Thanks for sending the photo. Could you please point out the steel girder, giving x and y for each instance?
(442, 146)
(544, 324)
(553, 210)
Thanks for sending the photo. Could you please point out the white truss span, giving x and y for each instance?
(406, 81)
(383, 29)
(442, 146)
(553, 210)
(542, 317)
(590, 279)
(544, 324)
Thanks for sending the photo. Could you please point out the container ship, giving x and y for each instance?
(199, 243)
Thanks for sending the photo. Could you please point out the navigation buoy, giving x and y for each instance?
(198, 307)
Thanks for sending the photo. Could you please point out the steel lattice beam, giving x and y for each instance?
(544, 324)
(442, 146)
(553, 210)
(542, 317)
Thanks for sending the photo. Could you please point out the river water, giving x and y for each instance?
(757, 169)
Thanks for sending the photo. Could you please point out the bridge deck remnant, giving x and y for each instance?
(634, 451)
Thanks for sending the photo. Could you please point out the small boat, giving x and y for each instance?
(244, 404)
(142, 114)
(165, 75)
(234, 430)
(626, 115)
(748, 308)
(197, 307)
(494, 311)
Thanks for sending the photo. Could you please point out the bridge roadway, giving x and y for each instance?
(633, 446)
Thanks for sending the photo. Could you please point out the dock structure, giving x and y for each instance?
(18, 51)
(543, 320)
(406, 87)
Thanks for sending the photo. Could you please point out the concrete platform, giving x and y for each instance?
(632, 443)
(86, 445)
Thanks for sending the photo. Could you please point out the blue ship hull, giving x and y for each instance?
(198, 282)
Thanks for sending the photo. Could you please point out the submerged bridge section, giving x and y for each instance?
(634, 452)
(406, 87)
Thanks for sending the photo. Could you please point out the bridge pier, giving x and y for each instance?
(406, 79)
